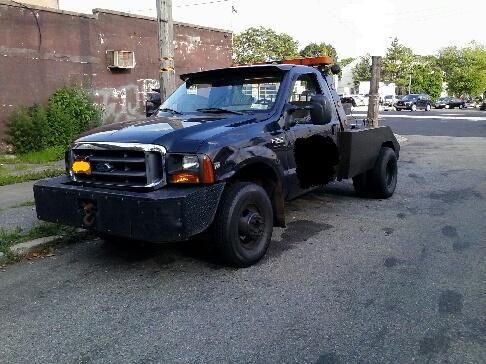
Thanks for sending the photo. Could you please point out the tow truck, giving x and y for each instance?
(222, 155)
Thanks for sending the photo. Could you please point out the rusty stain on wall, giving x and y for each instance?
(57, 48)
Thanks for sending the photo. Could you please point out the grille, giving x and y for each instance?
(120, 165)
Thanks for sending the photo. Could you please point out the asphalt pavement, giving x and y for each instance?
(350, 280)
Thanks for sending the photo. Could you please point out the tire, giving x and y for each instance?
(383, 177)
(428, 107)
(381, 181)
(397, 109)
(413, 108)
(447, 106)
(243, 225)
(461, 106)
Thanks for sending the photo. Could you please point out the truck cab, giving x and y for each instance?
(222, 155)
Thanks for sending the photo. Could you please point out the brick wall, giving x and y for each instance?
(43, 49)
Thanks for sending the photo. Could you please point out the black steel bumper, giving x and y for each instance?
(167, 214)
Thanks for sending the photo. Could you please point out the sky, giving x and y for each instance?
(353, 27)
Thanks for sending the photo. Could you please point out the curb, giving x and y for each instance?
(33, 245)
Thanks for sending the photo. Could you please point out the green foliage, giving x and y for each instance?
(50, 154)
(427, 78)
(27, 128)
(362, 71)
(69, 113)
(321, 49)
(397, 64)
(465, 69)
(261, 45)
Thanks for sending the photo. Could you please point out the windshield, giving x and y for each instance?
(244, 94)
(410, 97)
(443, 99)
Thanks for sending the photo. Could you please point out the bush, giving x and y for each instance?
(27, 128)
(69, 113)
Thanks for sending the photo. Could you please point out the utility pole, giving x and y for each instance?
(374, 99)
(166, 48)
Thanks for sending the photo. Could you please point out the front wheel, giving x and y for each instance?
(243, 226)
(461, 106)
(414, 107)
(428, 107)
(397, 109)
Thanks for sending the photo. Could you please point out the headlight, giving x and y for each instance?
(190, 168)
(190, 162)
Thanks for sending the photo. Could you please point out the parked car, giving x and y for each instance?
(389, 100)
(472, 104)
(483, 104)
(414, 102)
(449, 103)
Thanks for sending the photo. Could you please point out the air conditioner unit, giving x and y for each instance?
(120, 59)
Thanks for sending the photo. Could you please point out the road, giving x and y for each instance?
(349, 281)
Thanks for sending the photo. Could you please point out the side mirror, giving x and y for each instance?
(321, 110)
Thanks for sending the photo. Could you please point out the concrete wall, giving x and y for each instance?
(44, 49)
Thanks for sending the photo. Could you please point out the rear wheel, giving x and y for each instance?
(428, 107)
(244, 223)
(397, 109)
(461, 106)
(381, 181)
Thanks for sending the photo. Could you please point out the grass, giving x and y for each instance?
(51, 154)
(6, 179)
(9, 238)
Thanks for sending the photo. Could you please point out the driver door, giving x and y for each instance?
(302, 128)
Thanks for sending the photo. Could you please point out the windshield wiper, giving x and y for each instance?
(166, 109)
(218, 110)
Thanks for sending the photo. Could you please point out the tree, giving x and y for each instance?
(321, 49)
(345, 61)
(262, 45)
(362, 71)
(427, 78)
(465, 69)
(397, 64)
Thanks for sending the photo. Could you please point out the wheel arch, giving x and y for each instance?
(269, 177)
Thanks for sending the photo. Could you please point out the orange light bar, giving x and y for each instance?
(310, 61)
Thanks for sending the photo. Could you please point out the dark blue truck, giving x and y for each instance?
(222, 155)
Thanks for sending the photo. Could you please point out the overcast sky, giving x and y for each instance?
(354, 27)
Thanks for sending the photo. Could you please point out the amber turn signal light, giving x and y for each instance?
(185, 177)
(207, 170)
(81, 167)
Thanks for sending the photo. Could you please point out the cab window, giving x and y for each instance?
(304, 88)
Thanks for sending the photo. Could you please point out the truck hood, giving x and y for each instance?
(180, 133)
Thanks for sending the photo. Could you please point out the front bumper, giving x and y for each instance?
(172, 213)
(403, 107)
